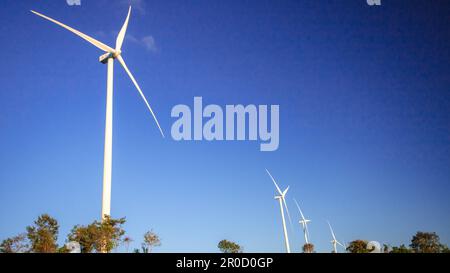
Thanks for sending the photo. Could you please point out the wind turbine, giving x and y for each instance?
(281, 198)
(304, 222)
(108, 58)
(334, 241)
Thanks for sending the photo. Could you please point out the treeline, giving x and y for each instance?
(421, 242)
(99, 236)
(108, 235)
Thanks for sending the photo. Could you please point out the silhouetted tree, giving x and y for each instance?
(425, 242)
(43, 234)
(101, 236)
(16, 244)
(308, 248)
(400, 249)
(127, 241)
(358, 246)
(229, 247)
(151, 240)
(445, 249)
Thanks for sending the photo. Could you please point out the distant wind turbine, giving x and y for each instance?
(334, 241)
(108, 58)
(282, 200)
(304, 222)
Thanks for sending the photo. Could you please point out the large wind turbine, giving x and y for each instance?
(108, 58)
(304, 222)
(281, 198)
(335, 242)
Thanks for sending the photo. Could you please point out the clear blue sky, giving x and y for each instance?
(364, 119)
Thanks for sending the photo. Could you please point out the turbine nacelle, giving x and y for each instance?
(104, 58)
(305, 221)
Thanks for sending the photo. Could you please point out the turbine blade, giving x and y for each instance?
(307, 233)
(122, 62)
(122, 32)
(332, 232)
(301, 213)
(287, 211)
(285, 191)
(91, 40)
(276, 185)
(339, 243)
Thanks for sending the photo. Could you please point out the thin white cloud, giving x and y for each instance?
(148, 42)
(132, 38)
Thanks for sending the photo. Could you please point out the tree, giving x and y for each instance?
(400, 249)
(63, 249)
(101, 236)
(127, 241)
(16, 244)
(43, 234)
(229, 247)
(86, 236)
(425, 242)
(445, 249)
(110, 233)
(358, 246)
(308, 248)
(151, 240)
(136, 250)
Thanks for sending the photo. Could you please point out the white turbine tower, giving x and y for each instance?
(108, 58)
(282, 200)
(335, 242)
(304, 222)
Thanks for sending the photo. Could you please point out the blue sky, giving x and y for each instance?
(364, 119)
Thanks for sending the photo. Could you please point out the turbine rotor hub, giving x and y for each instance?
(116, 53)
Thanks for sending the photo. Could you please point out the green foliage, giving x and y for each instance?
(229, 247)
(63, 249)
(400, 249)
(101, 236)
(151, 240)
(86, 236)
(358, 246)
(16, 244)
(445, 249)
(425, 242)
(104, 236)
(43, 234)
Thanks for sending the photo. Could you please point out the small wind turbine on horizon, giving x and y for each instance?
(304, 222)
(108, 58)
(282, 200)
(334, 242)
